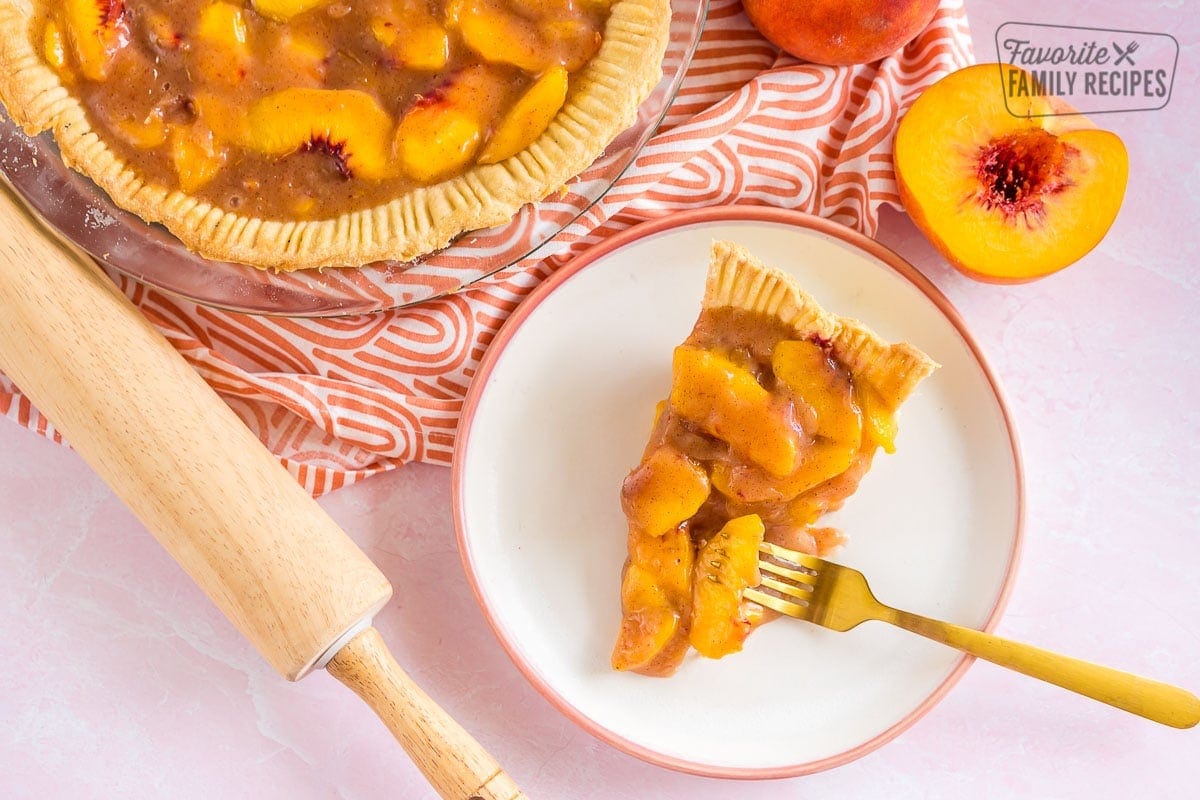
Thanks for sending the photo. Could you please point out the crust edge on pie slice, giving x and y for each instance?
(679, 590)
(737, 279)
(605, 99)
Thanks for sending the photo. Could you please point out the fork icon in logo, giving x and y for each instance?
(1126, 54)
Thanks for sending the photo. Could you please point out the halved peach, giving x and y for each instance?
(528, 118)
(96, 30)
(347, 124)
(1006, 192)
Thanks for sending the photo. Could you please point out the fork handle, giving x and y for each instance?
(1153, 700)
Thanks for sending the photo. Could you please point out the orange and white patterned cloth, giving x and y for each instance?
(341, 399)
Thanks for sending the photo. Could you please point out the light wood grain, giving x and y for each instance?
(457, 766)
(224, 507)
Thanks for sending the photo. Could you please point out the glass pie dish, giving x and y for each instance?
(86, 216)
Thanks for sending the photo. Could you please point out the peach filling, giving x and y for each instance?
(759, 437)
(312, 108)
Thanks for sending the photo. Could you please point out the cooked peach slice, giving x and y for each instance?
(528, 118)
(668, 556)
(844, 414)
(221, 53)
(144, 134)
(879, 421)
(655, 594)
(196, 157)
(417, 42)
(434, 141)
(283, 10)
(648, 624)
(575, 41)
(726, 566)
(1006, 192)
(499, 36)
(663, 491)
(298, 59)
(480, 90)
(222, 24)
(442, 131)
(222, 116)
(825, 391)
(727, 402)
(347, 124)
(159, 31)
(54, 46)
(748, 483)
(95, 29)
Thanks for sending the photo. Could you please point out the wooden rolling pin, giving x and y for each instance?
(223, 506)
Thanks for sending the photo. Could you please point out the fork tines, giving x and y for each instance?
(791, 579)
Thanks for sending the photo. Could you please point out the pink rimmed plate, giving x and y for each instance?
(558, 414)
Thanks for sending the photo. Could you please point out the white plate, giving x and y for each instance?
(558, 415)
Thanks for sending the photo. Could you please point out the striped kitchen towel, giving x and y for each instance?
(341, 399)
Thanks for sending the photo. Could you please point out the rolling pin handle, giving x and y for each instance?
(456, 765)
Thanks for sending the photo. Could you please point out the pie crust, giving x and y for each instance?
(603, 102)
(736, 279)
(721, 471)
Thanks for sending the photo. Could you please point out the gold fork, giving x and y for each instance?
(837, 597)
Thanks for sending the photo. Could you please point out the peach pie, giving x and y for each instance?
(314, 133)
(775, 411)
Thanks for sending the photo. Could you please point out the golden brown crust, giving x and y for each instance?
(604, 101)
(736, 279)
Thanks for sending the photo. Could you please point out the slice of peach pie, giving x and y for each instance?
(313, 133)
(776, 409)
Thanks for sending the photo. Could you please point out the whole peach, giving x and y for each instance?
(840, 31)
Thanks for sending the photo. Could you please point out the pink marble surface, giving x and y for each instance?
(117, 679)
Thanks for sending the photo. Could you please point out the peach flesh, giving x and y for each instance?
(1008, 188)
